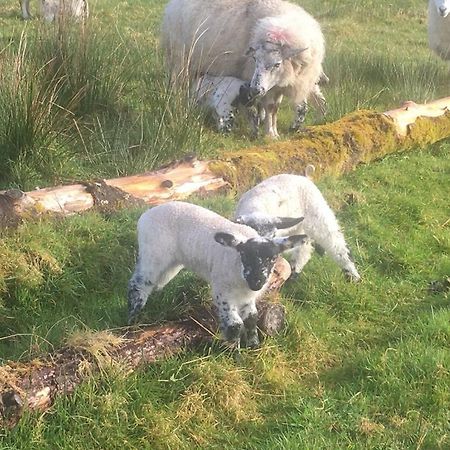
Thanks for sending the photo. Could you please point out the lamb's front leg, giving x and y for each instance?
(249, 315)
(231, 324)
(300, 115)
(300, 256)
(26, 9)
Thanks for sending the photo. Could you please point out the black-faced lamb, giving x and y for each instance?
(52, 9)
(439, 27)
(295, 196)
(233, 258)
(225, 96)
(274, 44)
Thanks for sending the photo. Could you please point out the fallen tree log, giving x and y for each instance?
(336, 147)
(34, 386)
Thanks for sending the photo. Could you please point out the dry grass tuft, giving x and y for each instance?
(368, 427)
(98, 345)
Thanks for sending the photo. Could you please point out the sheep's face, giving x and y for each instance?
(442, 7)
(270, 66)
(267, 226)
(258, 255)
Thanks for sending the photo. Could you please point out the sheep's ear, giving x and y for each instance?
(290, 242)
(289, 52)
(250, 51)
(286, 222)
(226, 239)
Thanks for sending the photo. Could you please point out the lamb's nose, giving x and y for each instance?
(443, 11)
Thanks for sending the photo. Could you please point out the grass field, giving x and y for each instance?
(358, 366)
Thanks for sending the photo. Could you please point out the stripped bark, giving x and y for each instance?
(337, 147)
(34, 386)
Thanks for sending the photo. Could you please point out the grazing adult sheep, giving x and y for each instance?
(52, 9)
(439, 27)
(274, 44)
(225, 96)
(294, 196)
(233, 258)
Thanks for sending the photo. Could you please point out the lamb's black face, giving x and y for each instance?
(258, 255)
(258, 258)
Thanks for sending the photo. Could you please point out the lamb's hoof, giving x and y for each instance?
(352, 278)
(253, 343)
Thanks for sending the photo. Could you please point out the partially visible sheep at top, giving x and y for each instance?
(439, 27)
(275, 45)
(293, 196)
(52, 9)
(225, 96)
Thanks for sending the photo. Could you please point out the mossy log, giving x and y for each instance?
(336, 147)
(34, 386)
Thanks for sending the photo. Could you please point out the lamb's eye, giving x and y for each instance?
(277, 65)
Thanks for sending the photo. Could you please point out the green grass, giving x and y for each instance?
(358, 366)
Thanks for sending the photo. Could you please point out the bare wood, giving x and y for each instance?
(35, 385)
(409, 112)
(337, 147)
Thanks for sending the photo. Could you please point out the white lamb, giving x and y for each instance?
(233, 258)
(224, 96)
(52, 9)
(295, 196)
(274, 44)
(439, 27)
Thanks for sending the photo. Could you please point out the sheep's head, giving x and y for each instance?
(270, 65)
(442, 7)
(267, 226)
(258, 255)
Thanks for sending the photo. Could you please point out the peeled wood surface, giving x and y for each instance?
(35, 385)
(337, 147)
(408, 113)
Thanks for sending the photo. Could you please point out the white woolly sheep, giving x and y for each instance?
(439, 27)
(276, 45)
(294, 196)
(52, 9)
(224, 96)
(233, 258)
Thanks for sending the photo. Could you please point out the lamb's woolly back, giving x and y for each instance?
(439, 27)
(296, 196)
(285, 195)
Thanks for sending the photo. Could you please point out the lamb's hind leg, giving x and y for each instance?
(143, 283)
(339, 251)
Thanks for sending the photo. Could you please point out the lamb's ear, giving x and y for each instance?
(250, 51)
(226, 239)
(290, 242)
(286, 222)
(290, 52)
